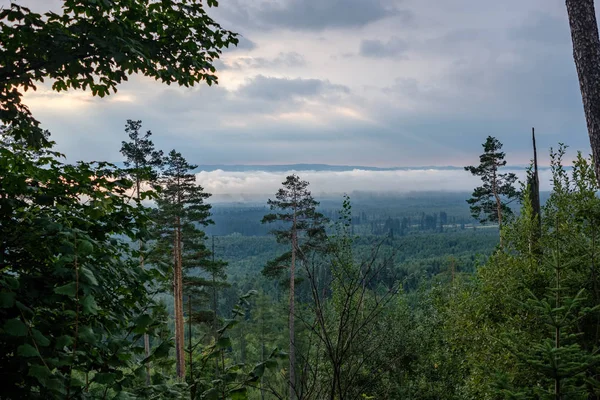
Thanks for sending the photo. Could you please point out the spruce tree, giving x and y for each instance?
(558, 357)
(303, 231)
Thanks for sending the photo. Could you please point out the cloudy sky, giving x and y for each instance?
(360, 82)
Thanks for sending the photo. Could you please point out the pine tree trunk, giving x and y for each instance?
(141, 245)
(180, 319)
(190, 348)
(498, 204)
(586, 53)
(178, 297)
(292, 354)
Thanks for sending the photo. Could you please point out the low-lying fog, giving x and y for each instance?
(229, 186)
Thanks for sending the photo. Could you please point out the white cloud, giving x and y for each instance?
(258, 185)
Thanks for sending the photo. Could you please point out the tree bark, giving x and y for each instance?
(586, 54)
(180, 319)
(534, 197)
(498, 203)
(292, 355)
(141, 245)
(178, 297)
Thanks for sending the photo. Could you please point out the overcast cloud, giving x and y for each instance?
(360, 82)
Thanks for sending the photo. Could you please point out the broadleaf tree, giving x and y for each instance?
(303, 230)
(73, 304)
(96, 45)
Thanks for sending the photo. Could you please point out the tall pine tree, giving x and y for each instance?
(141, 166)
(181, 210)
(489, 202)
(302, 230)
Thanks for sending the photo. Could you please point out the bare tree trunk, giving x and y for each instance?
(586, 53)
(498, 203)
(190, 347)
(534, 192)
(292, 354)
(141, 246)
(179, 318)
(557, 344)
(178, 297)
(214, 306)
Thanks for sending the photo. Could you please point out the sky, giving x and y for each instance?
(351, 82)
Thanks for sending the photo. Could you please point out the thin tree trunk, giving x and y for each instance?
(180, 319)
(214, 307)
(292, 354)
(498, 204)
(534, 193)
(262, 353)
(176, 298)
(190, 337)
(141, 245)
(586, 54)
(557, 380)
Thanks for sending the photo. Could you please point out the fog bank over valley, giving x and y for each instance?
(238, 185)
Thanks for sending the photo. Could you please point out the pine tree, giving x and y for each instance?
(141, 162)
(303, 230)
(181, 209)
(489, 202)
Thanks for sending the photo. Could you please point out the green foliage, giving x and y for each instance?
(527, 326)
(489, 201)
(96, 44)
(71, 289)
(141, 158)
(303, 225)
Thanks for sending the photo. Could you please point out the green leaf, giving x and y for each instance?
(88, 276)
(85, 247)
(15, 327)
(40, 339)
(86, 334)
(143, 321)
(105, 378)
(223, 343)
(211, 394)
(27, 350)
(70, 289)
(162, 350)
(7, 299)
(40, 372)
(89, 305)
(11, 283)
(63, 341)
(239, 394)
(259, 370)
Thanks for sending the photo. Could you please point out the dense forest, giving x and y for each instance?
(126, 282)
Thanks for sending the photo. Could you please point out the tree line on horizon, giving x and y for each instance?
(85, 266)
